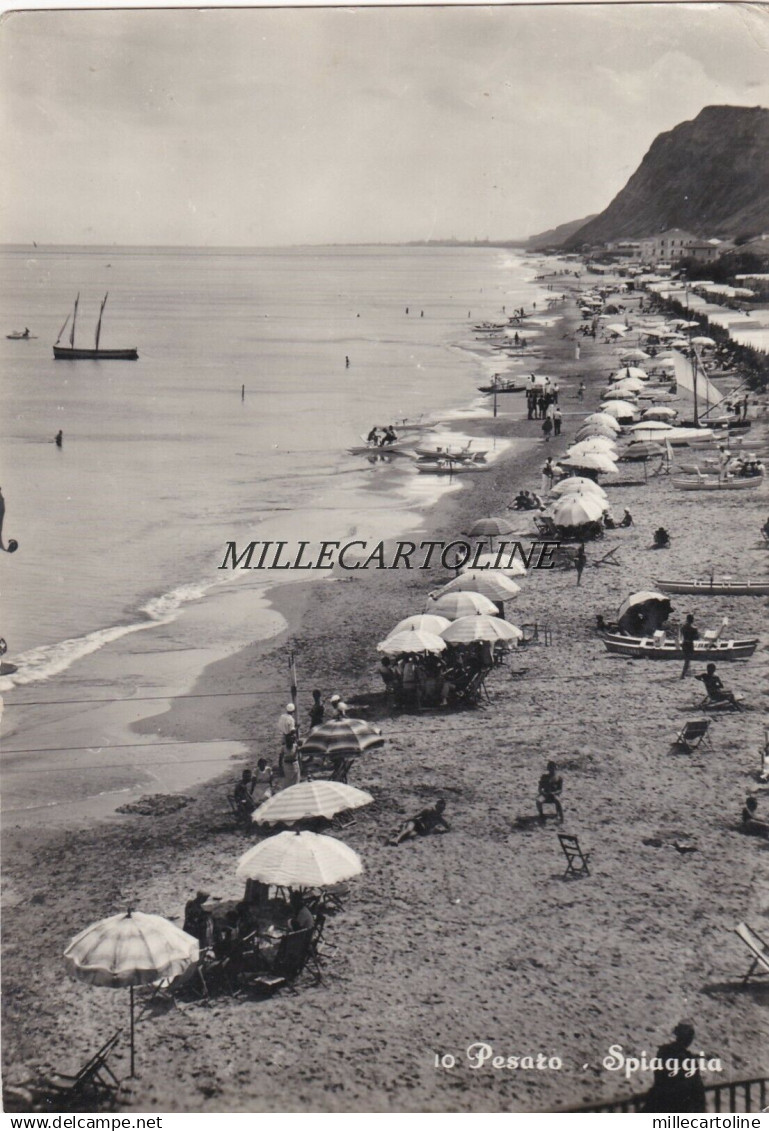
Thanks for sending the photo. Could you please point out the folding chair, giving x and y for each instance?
(693, 734)
(576, 859)
(95, 1079)
(708, 704)
(757, 947)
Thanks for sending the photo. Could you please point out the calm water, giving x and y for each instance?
(122, 529)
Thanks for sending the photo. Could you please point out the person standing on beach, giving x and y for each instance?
(581, 391)
(580, 562)
(548, 471)
(557, 421)
(547, 428)
(675, 1089)
(287, 732)
(317, 711)
(688, 635)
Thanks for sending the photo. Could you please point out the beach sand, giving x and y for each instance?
(474, 935)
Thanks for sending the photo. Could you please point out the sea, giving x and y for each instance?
(258, 370)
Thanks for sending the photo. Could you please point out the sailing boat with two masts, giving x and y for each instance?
(73, 353)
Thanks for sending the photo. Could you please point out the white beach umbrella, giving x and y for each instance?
(425, 622)
(576, 508)
(576, 484)
(632, 384)
(660, 412)
(130, 949)
(511, 567)
(617, 328)
(466, 630)
(703, 341)
(490, 583)
(603, 418)
(592, 461)
(310, 799)
(299, 860)
(455, 605)
(633, 355)
(594, 444)
(629, 371)
(413, 641)
(587, 431)
(620, 409)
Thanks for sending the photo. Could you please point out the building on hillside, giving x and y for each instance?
(706, 251)
(668, 246)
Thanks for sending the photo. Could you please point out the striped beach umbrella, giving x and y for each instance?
(587, 431)
(130, 949)
(413, 641)
(299, 860)
(489, 583)
(426, 622)
(603, 418)
(310, 799)
(578, 484)
(467, 630)
(576, 508)
(342, 738)
(454, 605)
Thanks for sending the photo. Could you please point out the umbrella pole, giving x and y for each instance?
(133, 1061)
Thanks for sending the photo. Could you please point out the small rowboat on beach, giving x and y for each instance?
(660, 648)
(712, 588)
(502, 387)
(463, 455)
(711, 483)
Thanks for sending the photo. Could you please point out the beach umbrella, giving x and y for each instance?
(703, 341)
(626, 384)
(342, 738)
(310, 799)
(454, 605)
(628, 372)
(425, 622)
(587, 431)
(682, 324)
(620, 409)
(602, 418)
(512, 568)
(592, 461)
(594, 444)
(633, 355)
(617, 328)
(577, 483)
(577, 508)
(641, 450)
(411, 641)
(644, 612)
(477, 627)
(659, 412)
(490, 583)
(299, 860)
(130, 949)
(489, 527)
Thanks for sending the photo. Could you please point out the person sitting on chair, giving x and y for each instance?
(751, 823)
(661, 538)
(717, 693)
(425, 822)
(243, 794)
(550, 786)
(301, 916)
(627, 519)
(197, 921)
(388, 674)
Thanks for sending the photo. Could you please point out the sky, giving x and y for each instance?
(255, 127)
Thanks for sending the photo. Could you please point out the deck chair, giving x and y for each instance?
(693, 734)
(758, 948)
(292, 957)
(576, 859)
(95, 1079)
(708, 704)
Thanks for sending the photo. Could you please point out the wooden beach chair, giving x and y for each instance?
(708, 704)
(693, 734)
(95, 1080)
(759, 950)
(576, 859)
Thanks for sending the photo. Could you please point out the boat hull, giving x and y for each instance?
(645, 648)
(716, 485)
(716, 588)
(66, 353)
(454, 469)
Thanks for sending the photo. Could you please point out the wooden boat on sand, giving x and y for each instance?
(448, 467)
(710, 587)
(659, 647)
(712, 483)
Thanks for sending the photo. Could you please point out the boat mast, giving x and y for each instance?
(98, 324)
(64, 327)
(74, 319)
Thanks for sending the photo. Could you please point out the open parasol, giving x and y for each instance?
(489, 583)
(412, 641)
(454, 605)
(310, 799)
(466, 630)
(342, 738)
(425, 622)
(577, 508)
(299, 860)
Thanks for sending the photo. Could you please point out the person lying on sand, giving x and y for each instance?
(426, 822)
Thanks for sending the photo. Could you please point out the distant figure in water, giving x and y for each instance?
(346, 362)
(26, 332)
(407, 310)
(421, 314)
(242, 392)
(59, 440)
